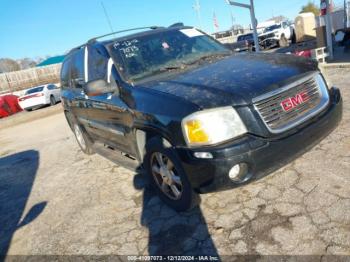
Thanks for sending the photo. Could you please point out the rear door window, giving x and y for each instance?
(65, 73)
(51, 87)
(35, 90)
(77, 69)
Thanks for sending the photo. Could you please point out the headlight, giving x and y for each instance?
(212, 126)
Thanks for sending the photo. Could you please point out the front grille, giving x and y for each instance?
(264, 37)
(279, 113)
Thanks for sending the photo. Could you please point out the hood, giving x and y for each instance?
(234, 80)
(269, 32)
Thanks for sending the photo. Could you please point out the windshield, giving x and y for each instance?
(34, 90)
(273, 27)
(146, 55)
(245, 37)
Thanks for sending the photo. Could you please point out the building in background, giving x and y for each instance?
(51, 61)
(230, 36)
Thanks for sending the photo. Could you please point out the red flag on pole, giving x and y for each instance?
(216, 24)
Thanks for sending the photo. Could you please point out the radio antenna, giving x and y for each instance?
(107, 17)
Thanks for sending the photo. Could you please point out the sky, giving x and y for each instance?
(33, 28)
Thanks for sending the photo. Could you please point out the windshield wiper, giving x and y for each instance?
(162, 70)
(171, 68)
(205, 57)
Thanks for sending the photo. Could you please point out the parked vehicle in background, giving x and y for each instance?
(194, 115)
(244, 43)
(278, 34)
(9, 105)
(40, 96)
(228, 36)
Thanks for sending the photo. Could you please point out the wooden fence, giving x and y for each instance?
(24, 79)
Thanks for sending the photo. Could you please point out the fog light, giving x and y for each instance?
(204, 155)
(238, 173)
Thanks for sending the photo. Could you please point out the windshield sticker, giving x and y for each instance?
(192, 32)
(165, 45)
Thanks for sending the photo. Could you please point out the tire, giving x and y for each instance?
(283, 41)
(83, 140)
(52, 101)
(294, 37)
(173, 175)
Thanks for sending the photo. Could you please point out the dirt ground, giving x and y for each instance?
(56, 200)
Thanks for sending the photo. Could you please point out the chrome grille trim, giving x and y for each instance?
(276, 119)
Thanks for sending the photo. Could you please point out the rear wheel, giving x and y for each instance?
(82, 139)
(168, 177)
(52, 101)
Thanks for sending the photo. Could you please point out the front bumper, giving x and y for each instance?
(262, 155)
(268, 42)
(35, 102)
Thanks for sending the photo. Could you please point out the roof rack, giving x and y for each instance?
(176, 25)
(75, 48)
(92, 40)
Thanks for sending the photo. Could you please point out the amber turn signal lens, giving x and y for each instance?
(195, 132)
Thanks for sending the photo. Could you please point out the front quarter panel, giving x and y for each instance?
(158, 112)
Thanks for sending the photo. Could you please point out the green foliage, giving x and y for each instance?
(310, 7)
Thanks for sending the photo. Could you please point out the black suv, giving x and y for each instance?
(192, 114)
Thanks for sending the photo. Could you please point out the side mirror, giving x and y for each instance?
(33, 213)
(78, 82)
(98, 87)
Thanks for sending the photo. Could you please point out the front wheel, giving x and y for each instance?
(82, 139)
(168, 177)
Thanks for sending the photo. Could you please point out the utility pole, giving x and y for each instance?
(329, 30)
(232, 19)
(197, 8)
(252, 17)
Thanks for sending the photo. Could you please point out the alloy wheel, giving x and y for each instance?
(79, 136)
(166, 176)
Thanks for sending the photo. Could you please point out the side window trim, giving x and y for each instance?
(109, 69)
(86, 68)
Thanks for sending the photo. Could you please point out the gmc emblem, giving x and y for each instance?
(293, 102)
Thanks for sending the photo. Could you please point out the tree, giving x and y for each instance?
(8, 65)
(26, 63)
(310, 7)
(278, 19)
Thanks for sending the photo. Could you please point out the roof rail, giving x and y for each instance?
(76, 48)
(92, 40)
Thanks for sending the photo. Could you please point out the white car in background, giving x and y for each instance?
(277, 34)
(40, 96)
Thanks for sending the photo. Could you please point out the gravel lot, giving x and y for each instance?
(56, 200)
